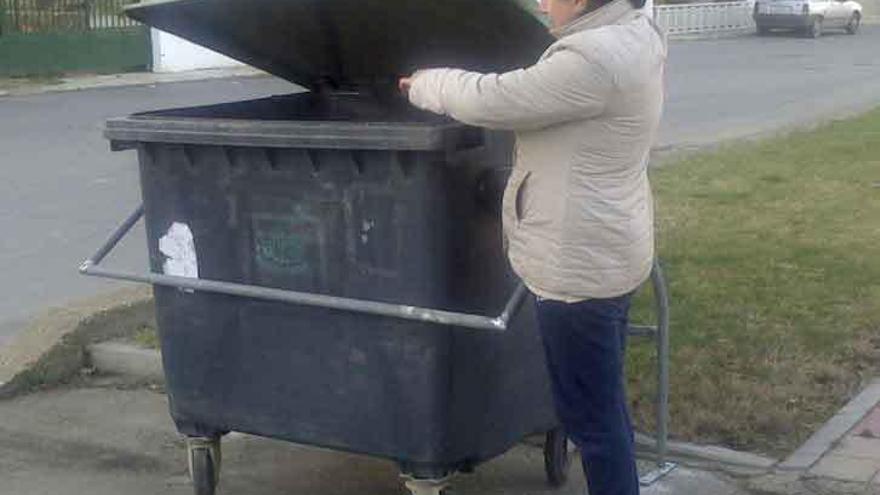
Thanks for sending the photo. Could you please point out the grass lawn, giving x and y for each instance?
(772, 254)
(14, 83)
(145, 336)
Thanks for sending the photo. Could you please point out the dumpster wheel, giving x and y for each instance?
(557, 457)
(204, 464)
(417, 486)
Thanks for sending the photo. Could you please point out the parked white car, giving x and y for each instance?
(812, 17)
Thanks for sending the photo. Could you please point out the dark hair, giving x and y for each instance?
(598, 4)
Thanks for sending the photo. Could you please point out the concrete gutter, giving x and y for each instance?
(52, 348)
(710, 457)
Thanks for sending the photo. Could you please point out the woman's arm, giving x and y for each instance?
(563, 87)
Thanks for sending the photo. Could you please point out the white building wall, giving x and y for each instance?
(174, 54)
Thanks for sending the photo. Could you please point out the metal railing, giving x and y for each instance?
(497, 323)
(705, 19)
(53, 16)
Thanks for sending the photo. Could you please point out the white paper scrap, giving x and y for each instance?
(179, 247)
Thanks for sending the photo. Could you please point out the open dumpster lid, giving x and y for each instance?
(346, 44)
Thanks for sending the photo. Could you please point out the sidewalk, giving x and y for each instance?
(78, 82)
(106, 438)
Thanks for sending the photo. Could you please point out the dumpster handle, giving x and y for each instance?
(499, 323)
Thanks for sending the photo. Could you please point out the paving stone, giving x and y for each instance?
(833, 487)
(684, 481)
(870, 426)
(860, 448)
(783, 483)
(846, 468)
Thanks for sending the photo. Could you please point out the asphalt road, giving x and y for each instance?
(742, 87)
(62, 190)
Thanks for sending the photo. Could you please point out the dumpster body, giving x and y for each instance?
(403, 213)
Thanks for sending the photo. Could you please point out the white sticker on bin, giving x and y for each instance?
(179, 247)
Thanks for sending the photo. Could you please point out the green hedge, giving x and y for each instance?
(104, 51)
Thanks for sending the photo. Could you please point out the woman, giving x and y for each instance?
(577, 210)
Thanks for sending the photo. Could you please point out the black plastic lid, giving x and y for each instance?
(347, 44)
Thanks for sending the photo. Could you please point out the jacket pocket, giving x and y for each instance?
(513, 204)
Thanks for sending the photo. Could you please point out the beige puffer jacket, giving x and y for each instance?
(578, 211)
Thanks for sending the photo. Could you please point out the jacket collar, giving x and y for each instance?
(613, 13)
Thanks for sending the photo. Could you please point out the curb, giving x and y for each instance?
(52, 348)
(722, 35)
(709, 456)
(128, 360)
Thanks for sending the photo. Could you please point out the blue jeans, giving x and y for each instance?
(585, 345)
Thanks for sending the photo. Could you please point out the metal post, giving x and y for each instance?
(661, 336)
(662, 297)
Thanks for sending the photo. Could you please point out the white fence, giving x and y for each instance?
(705, 19)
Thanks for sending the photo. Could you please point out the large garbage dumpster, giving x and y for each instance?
(328, 265)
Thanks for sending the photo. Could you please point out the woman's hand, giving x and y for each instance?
(405, 84)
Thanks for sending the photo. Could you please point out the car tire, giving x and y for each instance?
(815, 29)
(852, 27)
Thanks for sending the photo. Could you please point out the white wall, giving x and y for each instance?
(173, 54)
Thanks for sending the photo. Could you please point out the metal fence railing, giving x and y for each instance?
(705, 19)
(52, 16)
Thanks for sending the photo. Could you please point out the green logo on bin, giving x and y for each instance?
(282, 243)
